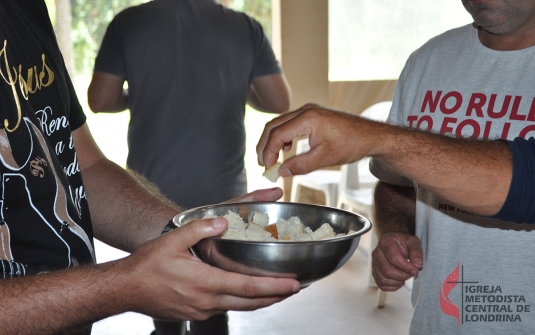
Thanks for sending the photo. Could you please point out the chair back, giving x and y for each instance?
(378, 112)
(357, 174)
(302, 146)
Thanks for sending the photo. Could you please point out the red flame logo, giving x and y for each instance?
(448, 307)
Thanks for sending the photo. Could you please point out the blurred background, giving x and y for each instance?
(367, 40)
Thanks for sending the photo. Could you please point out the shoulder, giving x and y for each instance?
(34, 11)
(440, 50)
(449, 41)
(142, 12)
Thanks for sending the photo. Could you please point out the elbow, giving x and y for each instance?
(282, 108)
(97, 106)
(94, 105)
(286, 99)
(100, 103)
(107, 95)
(94, 101)
(284, 104)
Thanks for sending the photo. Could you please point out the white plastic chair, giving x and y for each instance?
(325, 181)
(356, 189)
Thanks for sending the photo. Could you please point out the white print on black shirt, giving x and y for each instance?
(49, 125)
(41, 192)
(18, 177)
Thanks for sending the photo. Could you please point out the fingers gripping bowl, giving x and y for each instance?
(306, 261)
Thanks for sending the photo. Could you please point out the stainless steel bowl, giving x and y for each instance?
(306, 261)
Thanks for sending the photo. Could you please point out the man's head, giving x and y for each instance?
(503, 18)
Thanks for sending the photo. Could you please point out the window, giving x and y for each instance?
(372, 39)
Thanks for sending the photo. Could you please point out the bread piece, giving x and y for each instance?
(272, 174)
(258, 235)
(234, 220)
(258, 229)
(323, 232)
(234, 234)
(301, 237)
(272, 229)
(282, 227)
(260, 219)
(295, 226)
(295, 220)
(253, 226)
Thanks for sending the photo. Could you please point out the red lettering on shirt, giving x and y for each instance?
(486, 132)
(476, 128)
(476, 103)
(458, 102)
(428, 120)
(446, 128)
(503, 111)
(531, 114)
(514, 110)
(505, 131)
(411, 119)
(526, 130)
(432, 102)
(469, 120)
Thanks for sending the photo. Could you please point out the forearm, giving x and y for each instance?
(394, 209)
(124, 211)
(106, 93)
(255, 101)
(62, 300)
(270, 94)
(472, 174)
(118, 105)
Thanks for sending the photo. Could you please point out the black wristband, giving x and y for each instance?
(170, 226)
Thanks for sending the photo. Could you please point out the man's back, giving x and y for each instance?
(189, 65)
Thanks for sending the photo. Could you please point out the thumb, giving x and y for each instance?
(415, 254)
(303, 163)
(196, 230)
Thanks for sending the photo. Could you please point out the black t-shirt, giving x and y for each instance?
(44, 217)
(189, 64)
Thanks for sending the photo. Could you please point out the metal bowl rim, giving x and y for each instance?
(367, 223)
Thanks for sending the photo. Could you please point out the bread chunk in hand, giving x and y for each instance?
(272, 174)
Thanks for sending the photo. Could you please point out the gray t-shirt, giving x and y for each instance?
(189, 64)
(477, 276)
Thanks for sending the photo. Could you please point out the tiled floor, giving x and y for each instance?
(339, 304)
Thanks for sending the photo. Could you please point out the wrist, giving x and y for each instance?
(386, 138)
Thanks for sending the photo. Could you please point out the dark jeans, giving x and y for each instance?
(216, 325)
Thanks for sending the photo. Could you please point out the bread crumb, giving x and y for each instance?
(272, 174)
